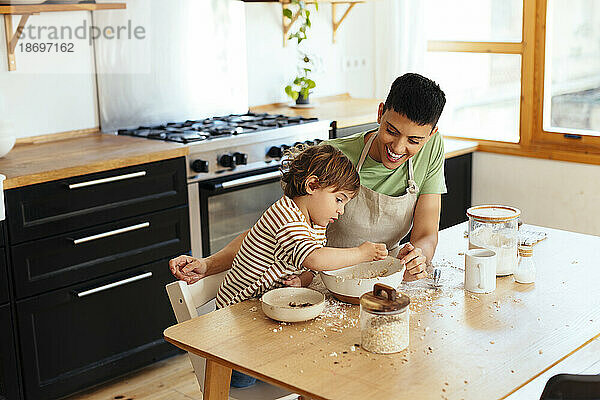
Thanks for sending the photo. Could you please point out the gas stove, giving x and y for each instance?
(236, 143)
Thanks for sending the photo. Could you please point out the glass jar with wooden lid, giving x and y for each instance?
(384, 320)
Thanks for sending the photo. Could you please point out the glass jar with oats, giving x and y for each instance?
(384, 320)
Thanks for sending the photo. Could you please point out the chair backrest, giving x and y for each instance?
(189, 301)
(572, 387)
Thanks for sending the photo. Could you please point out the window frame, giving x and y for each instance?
(534, 141)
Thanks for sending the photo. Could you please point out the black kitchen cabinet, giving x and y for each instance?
(73, 257)
(83, 271)
(67, 205)
(9, 381)
(458, 181)
(73, 338)
(3, 278)
(2, 237)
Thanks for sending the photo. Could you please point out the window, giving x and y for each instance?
(521, 76)
(572, 78)
(476, 59)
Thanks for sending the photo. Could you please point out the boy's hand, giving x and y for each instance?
(373, 251)
(302, 280)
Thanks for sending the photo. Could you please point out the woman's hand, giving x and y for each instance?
(415, 262)
(373, 251)
(188, 269)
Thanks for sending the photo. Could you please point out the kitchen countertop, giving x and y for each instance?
(345, 110)
(348, 111)
(32, 163)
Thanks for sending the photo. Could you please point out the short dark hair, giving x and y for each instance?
(417, 98)
(331, 167)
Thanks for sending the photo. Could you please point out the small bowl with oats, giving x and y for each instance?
(348, 284)
(292, 304)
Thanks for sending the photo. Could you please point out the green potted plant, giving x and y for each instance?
(301, 87)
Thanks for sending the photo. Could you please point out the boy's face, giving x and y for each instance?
(326, 205)
(398, 139)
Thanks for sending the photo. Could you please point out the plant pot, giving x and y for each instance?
(302, 100)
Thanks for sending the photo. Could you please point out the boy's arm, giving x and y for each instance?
(331, 258)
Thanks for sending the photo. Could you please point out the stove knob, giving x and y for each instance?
(227, 161)
(200, 166)
(275, 152)
(240, 158)
(309, 143)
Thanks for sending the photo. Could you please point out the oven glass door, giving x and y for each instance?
(230, 207)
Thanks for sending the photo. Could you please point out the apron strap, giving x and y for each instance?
(412, 184)
(365, 152)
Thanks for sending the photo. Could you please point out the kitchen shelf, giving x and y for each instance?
(25, 11)
(335, 24)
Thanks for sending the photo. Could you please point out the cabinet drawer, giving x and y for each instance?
(69, 343)
(66, 205)
(63, 260)
(9, 381)
(3, 278)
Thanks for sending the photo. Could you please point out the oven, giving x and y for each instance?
(223, 208)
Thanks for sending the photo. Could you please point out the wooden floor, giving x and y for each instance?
(171, 379)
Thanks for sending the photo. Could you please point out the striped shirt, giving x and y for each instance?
(275, 247)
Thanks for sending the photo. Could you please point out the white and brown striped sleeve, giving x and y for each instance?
(294, 243)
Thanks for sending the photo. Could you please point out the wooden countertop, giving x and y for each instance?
(462, 345)
(346, 110)
(32, 163)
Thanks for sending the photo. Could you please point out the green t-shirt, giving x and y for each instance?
(428, 167)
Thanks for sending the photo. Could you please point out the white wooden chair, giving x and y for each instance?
(189, 301)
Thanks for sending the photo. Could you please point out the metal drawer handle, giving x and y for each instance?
(251, 179)
(114, 284)
(111, 233)
(106, 180)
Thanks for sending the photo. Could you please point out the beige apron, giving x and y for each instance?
(374, 216)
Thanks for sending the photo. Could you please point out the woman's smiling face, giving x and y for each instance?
(398, 139)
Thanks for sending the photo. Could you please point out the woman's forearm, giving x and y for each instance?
(427, 243)
(330, 258)
(222, 260)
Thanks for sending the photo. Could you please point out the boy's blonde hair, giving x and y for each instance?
(331, 167)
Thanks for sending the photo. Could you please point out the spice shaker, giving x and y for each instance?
(384, 320)
(496, 228)
(525, 271)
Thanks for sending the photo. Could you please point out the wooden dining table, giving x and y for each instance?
(462, 345)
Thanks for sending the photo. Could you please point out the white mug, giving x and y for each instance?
(480, 271)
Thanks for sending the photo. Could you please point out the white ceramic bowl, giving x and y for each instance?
(359, 279)
(6, 144)
(278, 304)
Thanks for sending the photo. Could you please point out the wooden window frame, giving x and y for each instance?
(534, 141)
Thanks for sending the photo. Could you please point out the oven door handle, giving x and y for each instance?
(243, 181)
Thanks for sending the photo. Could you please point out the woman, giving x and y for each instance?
(401, 167)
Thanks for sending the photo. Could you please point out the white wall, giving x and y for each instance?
(271, 66)
(555, 194)
(49, 92)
